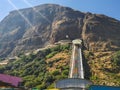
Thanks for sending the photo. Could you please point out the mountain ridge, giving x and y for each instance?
(33, 28)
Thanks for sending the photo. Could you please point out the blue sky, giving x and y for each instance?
(108, 7)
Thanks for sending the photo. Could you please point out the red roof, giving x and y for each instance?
(14, 81)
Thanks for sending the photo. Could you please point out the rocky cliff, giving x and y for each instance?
(33, 28)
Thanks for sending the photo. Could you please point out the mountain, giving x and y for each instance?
(33, 28)
(27, 32)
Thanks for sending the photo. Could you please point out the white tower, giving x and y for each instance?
(76, 66)
(76, 79)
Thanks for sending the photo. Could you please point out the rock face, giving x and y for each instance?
(32, 28)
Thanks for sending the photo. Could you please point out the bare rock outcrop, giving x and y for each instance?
(46, 24)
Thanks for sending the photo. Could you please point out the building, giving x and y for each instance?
(7, 81)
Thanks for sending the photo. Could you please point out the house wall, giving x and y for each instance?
(5, 85)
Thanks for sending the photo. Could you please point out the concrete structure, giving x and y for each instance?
(76, 79)
(76, 70)
(72, 84)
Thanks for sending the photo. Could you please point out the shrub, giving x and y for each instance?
(93, 77)
(56, 72)
(51, 86)
(116, 59)
(65, 47)
(59, 77)
(65, 73)
(51, 54)
(41, 86)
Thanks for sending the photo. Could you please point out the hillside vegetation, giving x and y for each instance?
(104, 67)
(49, 65)
(41, 70)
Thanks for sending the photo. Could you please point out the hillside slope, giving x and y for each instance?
(44, 68)
(47, 26)
(33, 28)
(41, 69)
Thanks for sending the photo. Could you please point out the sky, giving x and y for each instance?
(110, 8)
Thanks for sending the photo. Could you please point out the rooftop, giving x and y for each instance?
(12, 80)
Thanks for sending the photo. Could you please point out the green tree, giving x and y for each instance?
(55, 72)
(65, 73)
(116, 59)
